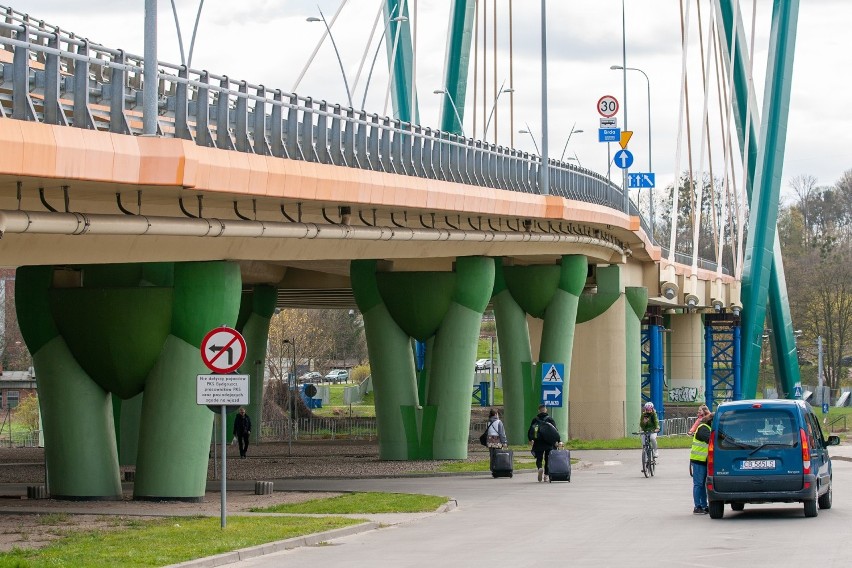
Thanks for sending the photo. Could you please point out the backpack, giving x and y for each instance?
(546, 432)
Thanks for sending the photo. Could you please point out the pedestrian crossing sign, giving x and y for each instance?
(552, 372)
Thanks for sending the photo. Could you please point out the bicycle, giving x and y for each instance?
(648, 460)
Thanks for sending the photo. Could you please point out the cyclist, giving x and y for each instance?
(650, 425)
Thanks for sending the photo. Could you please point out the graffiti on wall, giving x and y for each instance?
(683, 394)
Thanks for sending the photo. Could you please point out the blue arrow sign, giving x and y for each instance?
(551, 393)
(552, 383)
(609, 135)
(641, 180)
(623, 159)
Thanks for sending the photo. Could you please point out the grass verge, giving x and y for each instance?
(360, 503)
(167, 541)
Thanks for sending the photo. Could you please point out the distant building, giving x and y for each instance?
(15, 386)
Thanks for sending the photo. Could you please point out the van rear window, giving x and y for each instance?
(751, 428)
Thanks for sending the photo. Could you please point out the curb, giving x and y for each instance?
(277, 546)
(289, 544)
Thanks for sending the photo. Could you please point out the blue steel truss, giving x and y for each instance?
(652, 361)
(722, 376)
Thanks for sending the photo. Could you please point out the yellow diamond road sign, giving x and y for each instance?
(625, 138)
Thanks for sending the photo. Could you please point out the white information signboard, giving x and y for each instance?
(222, 390)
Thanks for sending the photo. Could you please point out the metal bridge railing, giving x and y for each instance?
(57, 78)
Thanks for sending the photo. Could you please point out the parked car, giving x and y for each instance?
(483, 364)
(310, 377)
(768, 451)
(846, 361)
(337, 376)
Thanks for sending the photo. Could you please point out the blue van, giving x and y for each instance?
(768, 451)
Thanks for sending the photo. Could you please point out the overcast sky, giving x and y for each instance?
(268, 42)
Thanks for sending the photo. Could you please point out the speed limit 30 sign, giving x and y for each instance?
(607, 106)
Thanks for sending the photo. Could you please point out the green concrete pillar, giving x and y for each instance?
(430, 417)
(391, 366)
(515, 356)
(175, 442)
(454, 351)
(637, 303)
(557, 338)
(143, 326)
(256, 309)
(550, 293)
(130, 416)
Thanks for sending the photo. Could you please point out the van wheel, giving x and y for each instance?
(825, 499)
(717, 509)
(737, 506)
(811, 508)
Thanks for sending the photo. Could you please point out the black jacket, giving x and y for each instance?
(539, 445)
(242, 424)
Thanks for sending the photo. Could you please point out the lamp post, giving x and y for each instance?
(544, 182)
(527, 131)
(376, 54)
(334, 44)
(650, 169)
(493, 108)
(292, 392)
(562, 157)
(149, 71)
(452, 102)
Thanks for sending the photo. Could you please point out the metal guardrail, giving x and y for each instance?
(319, 429)
(58, 78)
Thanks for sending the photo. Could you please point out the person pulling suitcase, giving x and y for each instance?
(501, 457)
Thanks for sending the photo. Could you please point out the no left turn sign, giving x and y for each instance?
(223, 350)
(607, 106)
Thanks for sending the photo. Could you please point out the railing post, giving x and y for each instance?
(82, 114)
(361, 127)
(53, 113)
(117, 119)
(307, 134)
(261, 146)
(203, 136)
(182, 106)
(291, 136)
(223, 117)
(241, 121)
(276, 127)
(322, 134)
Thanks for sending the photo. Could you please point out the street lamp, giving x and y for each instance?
(562, 157)
(493, 108)
(334, 44)
(527, 131)
(376, 54)
(650, 169)
(292, 343)
(455, 109)
(544, 182)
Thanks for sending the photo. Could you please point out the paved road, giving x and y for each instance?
(609, 515)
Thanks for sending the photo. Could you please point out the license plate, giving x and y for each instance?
(758, 464)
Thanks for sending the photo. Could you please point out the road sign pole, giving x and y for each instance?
(224, 499)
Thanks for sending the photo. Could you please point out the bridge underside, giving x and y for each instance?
(109, 226)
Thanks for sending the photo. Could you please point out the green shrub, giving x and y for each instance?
(359, 373)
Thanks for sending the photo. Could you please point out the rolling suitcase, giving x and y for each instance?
(502, 462)
(559, 465)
